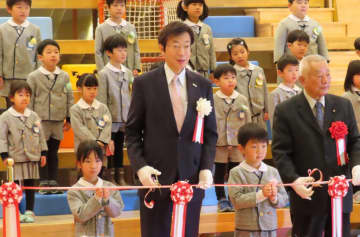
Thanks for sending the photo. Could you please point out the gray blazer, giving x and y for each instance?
(92, 123)
(114, 92)
(229, 118)
(90, 217)
(250, 215)
(105, 30)
(312, 28)
(355, 101)
(51, 98)
(18, 53)
(23, 140)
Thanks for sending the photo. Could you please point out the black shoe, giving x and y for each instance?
(53, 183)
(44, 183)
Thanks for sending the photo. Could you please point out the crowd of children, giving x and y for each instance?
(41, 107)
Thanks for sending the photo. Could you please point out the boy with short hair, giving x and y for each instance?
(117, 25)
(357, 46)
(51, 99)
(255, 207)
(114, 92)
(298, 43)
(231, 111)
(298, 20)
(18, 41)
(288, 71)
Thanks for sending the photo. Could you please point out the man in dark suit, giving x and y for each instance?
(302, 141)
(160, 129)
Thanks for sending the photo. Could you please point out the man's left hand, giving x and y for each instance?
(356, 175)
(205, 179)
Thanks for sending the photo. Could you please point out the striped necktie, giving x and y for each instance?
(319, 114)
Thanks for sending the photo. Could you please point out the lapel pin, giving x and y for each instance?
(334, 110)
(194, 85)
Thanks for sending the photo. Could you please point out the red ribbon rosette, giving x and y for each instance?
(337, 189)
(10, 197)
(338, 131)
(181, 195)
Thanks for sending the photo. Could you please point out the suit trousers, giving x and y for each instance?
(156, 222)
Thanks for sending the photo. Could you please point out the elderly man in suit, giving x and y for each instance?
(160, 130)
(302, 141)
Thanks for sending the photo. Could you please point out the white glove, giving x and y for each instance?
(356, 175)
(145, 175)
(205, 179)
(301, 188)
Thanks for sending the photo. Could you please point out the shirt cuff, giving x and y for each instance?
(68, 120)
(4, 155)
(260, 196)
(43, 153)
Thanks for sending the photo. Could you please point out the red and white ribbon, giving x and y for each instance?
(181, 195)
(338, 131)
(337, 188)
(199, 130)
(10, 197)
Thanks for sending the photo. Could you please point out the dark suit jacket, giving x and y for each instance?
(299, 144)
(151, 133)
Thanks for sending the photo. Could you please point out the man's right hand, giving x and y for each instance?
(1, 83)
(300, 186)
(145, 175)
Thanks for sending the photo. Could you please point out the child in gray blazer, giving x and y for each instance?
(93, 209)
(203, 58)
(18, 42)
(251, 81)
(114, 91)
(298, 20)
(117, 25)
(255, 207)
(51, 100)
(231, 111)
(22, 139)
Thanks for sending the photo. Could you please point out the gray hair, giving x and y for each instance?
(305, 63)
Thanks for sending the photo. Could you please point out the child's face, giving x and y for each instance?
(19, 12)
(254, 152)
(177, 51)
(21, 100)
(194, 10)
(356, 80)
(89, 93)
(117, 10)
(298, 48)
(299, 8)
(50, 57)
(227, 83)
(290, 74)
(239, 55)
(90, 167)
(118, 55)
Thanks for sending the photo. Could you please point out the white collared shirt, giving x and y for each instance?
(240, 68)
(297, 19)
(263, 168)
(25, 24)
(48, 73)
(82, 104)
(15, 113)
(121, 71)
(114, 24)
(295, 90)
(181, 83)
(312, 102)
(353, 88)
(190, 23)
(230, 98)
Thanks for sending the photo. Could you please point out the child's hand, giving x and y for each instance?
(135, 72)
(1, 82)
(229, 148)
(42, 161)
(111, 146)
(266, 116)
(5, 162)
(99, 193)
(66, 127)
(100, 144)
(106, 194)
(267, 190)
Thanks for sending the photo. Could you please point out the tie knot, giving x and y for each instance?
(318, 105)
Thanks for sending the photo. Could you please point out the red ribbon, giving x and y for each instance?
(10, 197)
(338, 131)
(198, 135)
(181, 195)
(337, 189)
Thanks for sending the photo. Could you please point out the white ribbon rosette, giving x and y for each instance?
(204, 108)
